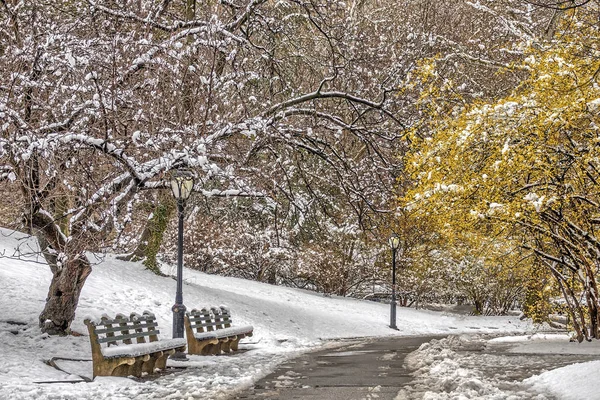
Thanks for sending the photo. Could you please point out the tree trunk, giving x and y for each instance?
(63, 295)
(272, 278)
(70, 268)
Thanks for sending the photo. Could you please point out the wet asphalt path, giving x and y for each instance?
(357, 370)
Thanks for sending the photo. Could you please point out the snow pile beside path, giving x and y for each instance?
(476, 367)
(547, 344)
(537, 337)
(286, 322)
(443, 373)
(573, 382)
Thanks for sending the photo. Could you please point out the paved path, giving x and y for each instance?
(361, 369)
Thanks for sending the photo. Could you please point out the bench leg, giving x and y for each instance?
(136, 368)
(113, 367)
(161, 361)
(236, 342)
(201, 347)
(123, 369)
(226, 346)
(212, 349)
(149, 366)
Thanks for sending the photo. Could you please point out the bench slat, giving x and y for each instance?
(201, 320)
(113, 339)
(112, 321)
(130, 326)
(201, 317)
(139, 318)
(202, 325)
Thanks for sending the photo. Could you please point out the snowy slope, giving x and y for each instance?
(287, 321)
(573, 382)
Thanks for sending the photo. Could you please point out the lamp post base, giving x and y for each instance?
(393, 315)
(178, 315)
(178, 330)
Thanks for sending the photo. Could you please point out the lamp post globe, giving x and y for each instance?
(182, 184)
(394, 243)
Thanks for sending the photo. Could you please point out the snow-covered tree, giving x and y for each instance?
(100, 101)
(300, 103)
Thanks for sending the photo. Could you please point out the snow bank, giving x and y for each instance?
(476, 367)
(544, 343)
(573, 382)
(531, 338)
(442, 373)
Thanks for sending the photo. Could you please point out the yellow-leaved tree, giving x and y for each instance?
(525, 168)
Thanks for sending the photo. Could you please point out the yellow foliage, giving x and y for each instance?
(486, 162)
(526, 167)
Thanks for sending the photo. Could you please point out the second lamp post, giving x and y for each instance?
(394, 243)
(182, 184)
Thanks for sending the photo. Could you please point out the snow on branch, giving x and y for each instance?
(67, 123)
(560, 5)
(142, 61)
(249, 127)
(106, 147)
(18, 121)
(337, 121)
(134, 17)
(318, 94)
(252, 6)
(7, 173)
(189, 27)
(483, 61)
(208, 193)
(512, 26)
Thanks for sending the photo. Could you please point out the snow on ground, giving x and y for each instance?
(286, 321)
(504, 368)
(573, 382)
(547, 344)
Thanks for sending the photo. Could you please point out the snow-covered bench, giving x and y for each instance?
(129, 346)
(210, 331)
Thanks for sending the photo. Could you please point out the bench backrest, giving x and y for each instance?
(222, 317)
(201, 320)
(135, 329)
(209, 320)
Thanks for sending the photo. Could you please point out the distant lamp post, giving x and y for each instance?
(394, 243)
(182, 184)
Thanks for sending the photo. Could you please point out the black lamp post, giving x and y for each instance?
(182, 184)
(394, 243)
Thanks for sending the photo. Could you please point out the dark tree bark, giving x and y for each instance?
(70, 268)
(63, 296)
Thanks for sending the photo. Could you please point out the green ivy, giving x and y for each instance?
(157, 226)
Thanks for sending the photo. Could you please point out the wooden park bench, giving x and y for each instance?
(129, 346)
(210, 331)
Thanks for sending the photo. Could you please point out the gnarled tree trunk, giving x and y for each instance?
(70, 268)
(63, 295)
